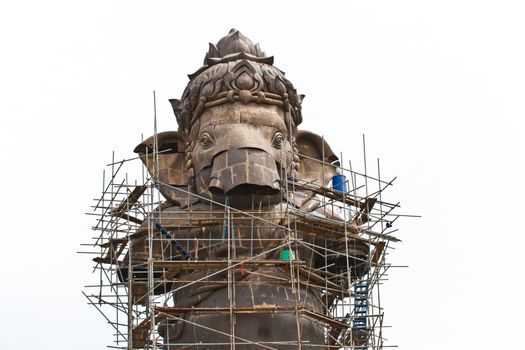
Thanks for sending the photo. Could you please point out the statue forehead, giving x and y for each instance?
(238, 113)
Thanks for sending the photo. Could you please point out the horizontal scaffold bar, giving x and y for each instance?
(217, 264)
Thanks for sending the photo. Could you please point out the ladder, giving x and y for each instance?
(360, 319)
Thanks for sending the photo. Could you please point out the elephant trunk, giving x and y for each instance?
(244, 171)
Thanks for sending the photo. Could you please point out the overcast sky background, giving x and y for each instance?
(437, 87)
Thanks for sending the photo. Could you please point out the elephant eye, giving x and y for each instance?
(278, 140)
(206, 140)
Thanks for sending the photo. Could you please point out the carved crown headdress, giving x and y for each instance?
(236, 70)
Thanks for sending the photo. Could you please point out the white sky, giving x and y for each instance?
(437, 87)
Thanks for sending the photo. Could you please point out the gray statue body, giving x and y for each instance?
(237, 145)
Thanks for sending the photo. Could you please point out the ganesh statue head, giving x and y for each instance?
(238, 140)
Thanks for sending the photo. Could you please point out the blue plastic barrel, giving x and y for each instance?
(339, 183)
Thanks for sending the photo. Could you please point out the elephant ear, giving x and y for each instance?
(171, 165)
(317, 163)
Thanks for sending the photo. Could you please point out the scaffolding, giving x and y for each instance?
(140, 298)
